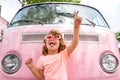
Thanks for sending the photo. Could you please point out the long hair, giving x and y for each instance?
(62, 44)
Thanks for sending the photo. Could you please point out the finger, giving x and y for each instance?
(29, 61)
(76, 13)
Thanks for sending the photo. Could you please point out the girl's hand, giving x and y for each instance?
(77, 20)
(29, 62)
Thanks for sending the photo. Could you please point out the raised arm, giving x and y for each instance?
(75, 39)
(36, 72)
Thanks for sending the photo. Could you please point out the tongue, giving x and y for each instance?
(52, 44)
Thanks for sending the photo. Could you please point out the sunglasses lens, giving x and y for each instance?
(57, 37)
(54, 37)
(49, 37)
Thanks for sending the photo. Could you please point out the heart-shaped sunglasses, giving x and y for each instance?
(56, 37)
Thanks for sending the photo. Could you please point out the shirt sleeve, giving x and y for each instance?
(40, 63)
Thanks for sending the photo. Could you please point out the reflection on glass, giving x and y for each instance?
(56, 13)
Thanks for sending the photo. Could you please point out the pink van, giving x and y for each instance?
(95, 58)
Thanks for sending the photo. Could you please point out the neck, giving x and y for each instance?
(52, 52)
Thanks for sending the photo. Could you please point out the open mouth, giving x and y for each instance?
(52, 44)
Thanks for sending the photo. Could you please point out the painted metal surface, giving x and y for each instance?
(84, 63)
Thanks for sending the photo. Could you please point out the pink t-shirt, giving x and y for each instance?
(54, 66)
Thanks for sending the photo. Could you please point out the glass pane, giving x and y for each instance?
(56, 13)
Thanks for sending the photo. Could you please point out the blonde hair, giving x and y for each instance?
(62, 44)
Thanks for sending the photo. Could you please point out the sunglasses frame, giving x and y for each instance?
(56, 37)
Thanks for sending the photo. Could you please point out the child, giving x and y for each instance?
(52, 65)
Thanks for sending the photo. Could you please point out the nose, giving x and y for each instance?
(52, 39)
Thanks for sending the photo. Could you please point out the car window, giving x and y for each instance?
(56, 13)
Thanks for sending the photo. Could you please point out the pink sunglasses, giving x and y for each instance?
(48, 37)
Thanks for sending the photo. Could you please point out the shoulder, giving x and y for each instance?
(65, 54)
(41, 58)
(64, 51)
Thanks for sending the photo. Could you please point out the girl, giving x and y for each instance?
(52, 65)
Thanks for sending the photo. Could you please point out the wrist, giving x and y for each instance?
(76, 27)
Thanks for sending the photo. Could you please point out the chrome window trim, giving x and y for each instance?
(44, 33)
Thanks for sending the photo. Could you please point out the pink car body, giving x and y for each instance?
(95, 58)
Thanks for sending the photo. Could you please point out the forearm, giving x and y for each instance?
(77, 22)
(75, 41)
(36, 73)
(75, 38)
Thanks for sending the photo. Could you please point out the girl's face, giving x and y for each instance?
(52, 42)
